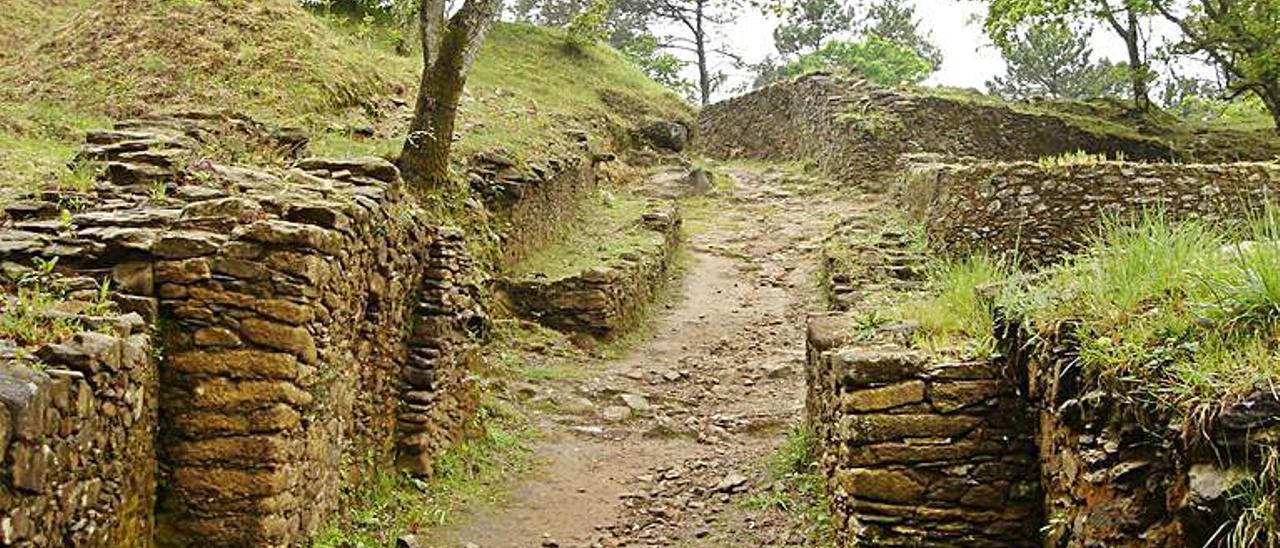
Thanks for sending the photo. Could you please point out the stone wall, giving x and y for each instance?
(1042, 212)
(1117, 472)
(859, 133)
(77, 430)
(314, 323)
(919, 451)
(604, 299)
(529, 202)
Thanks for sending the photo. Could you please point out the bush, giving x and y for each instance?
(589, 27)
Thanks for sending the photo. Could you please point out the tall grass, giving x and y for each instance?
(951, 311)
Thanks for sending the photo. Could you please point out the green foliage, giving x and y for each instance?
(1178, 314)
(809, 23)
(950, 311)
(1127, 18)
(798, 486)
(474, 471)
(1050, 60)
(874, 58)
(663, 67)
(895, 21)
(1241, 38)
(588, 26)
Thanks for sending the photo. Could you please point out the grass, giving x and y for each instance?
(527, 351)
(73, 65)
(37, 309)
(1180, 315)
(1078, 157)
(798, 491)
(475, 471)
(951, 312)
(606, 228)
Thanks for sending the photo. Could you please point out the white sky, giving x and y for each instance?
(969, 59)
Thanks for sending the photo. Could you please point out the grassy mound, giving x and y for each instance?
(69, 65)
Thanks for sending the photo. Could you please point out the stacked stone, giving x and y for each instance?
(529, 203)
(1113, 480)
(438, 393)
(860, 134)
(602, 300)
(282, 299)
(1043, 212)
(918, 452)
(76, 439)
(855, 270)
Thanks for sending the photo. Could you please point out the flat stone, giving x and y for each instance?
(880, 485)
(636, 402)
(953, 396)
(183, 272)
(295, 340)
(240, 364)
(885, 397)
(862, 368)
(185, 244)
(292, 234)
(865, 429)
(216, 336)
(369, 166)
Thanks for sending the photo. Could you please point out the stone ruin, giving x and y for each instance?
(282, 333)
(604, 299)
(1015, 449)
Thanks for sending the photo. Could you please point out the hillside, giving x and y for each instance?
(75, 65)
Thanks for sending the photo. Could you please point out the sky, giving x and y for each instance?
(969, 58)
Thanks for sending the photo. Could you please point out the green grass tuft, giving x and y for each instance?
(798, 486)
(951, 312)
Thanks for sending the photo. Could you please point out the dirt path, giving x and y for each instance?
(719, 381)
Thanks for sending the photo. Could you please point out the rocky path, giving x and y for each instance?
(666, 446)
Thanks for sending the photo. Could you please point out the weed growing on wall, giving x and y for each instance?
(951, 312)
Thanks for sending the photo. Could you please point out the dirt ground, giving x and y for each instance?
(668, 445)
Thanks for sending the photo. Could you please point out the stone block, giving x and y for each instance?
(953, 396)
(861, 368)
(236, 364)
(884, 397)
(295, 340)
(892, 486)
(868, 429)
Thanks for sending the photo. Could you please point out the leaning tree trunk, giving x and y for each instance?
(448, 51)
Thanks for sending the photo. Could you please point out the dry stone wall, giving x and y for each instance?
(919, 451)
(603, 299)
(527, 202)
(1117, 472)
(859, 133)
(313, 323)
(77, 433)
(1043, 212)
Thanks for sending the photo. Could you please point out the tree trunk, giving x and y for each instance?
(1270, 95)
(700, 42)
(1137, 65)
(424, 160)
(448, 51)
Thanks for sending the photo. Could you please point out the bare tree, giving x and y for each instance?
(449, 48)
(699, 18)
